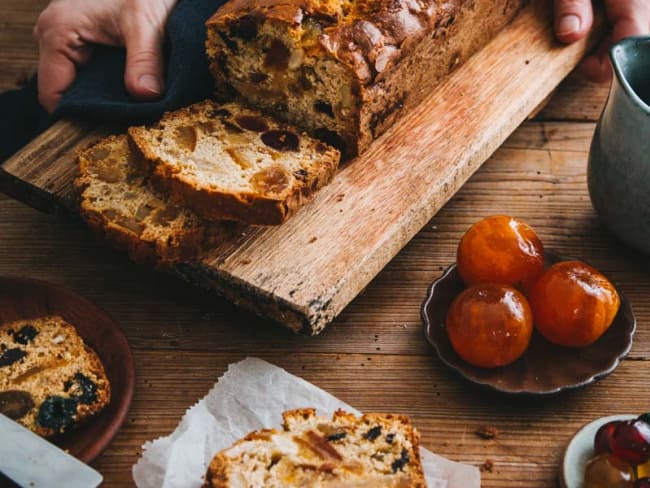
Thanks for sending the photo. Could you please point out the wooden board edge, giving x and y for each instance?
(35, 197)
(247, 297)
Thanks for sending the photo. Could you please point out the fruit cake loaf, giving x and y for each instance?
(374, 450)
(118, 203)
(229, 162)
(50, 380)
(345, 69)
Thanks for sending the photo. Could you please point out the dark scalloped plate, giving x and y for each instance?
(545, 368)
(23, 298)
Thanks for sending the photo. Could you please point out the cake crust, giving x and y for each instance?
(374, 450)
(276, 168)
(119, 204)
(346, 70)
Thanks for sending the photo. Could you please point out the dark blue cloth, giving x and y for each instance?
(98, 92)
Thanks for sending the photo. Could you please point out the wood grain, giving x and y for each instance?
(306, 271)
(447, 412)
(18, 50)
(373, 355)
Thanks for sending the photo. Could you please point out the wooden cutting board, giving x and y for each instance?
(303, 273)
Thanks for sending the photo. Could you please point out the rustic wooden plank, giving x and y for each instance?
(306, 271)
(539, 175)
(446, 410)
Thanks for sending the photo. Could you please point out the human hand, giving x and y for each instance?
(67, 29)
(574, 18)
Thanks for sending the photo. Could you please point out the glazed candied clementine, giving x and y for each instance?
(489, 325)
(500, 249)
(573, 304)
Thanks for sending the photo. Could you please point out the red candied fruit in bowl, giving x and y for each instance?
(573, 304)
(489, 325)
(500, 249)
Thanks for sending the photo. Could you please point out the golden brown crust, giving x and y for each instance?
(210, 203)
(366, 36)
(321, 453)
(155, 249)
(386, 54)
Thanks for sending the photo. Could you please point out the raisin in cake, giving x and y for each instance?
(345, 69)
(229, 162)
(50, 380)
(118, 203)
(374, 450)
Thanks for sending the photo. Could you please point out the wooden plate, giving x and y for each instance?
(24, 299)
(580, 449)
(545, 368)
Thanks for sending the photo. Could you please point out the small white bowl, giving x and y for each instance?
(581, 449)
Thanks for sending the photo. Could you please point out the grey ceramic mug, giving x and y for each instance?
(618, 174)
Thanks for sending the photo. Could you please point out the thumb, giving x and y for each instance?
(573, 19)
(144, 73)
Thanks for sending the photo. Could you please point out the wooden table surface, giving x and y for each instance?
(374, 355)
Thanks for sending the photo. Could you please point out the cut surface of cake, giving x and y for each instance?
(50, 380)
(344, 451)
(117, 202)
(229, 162)
(345, 69)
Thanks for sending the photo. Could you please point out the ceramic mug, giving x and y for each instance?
(618, 175)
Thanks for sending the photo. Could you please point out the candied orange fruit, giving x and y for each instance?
(489, 325)
(573, 304)
(500, 249)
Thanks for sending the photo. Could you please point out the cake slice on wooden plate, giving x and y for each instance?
(50, 380)
(345, 451)
(227, 162)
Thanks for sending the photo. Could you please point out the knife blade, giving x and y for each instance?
(31, 461)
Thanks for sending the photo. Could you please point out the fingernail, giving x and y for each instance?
(568, 24)
(150, 83)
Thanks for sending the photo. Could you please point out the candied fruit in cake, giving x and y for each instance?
(489, 325)
(500, 249)
(573, 304)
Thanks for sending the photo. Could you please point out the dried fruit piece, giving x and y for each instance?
(82, 389)
(277, 56)
(400, 462)
(270, 180)
(573, 304)
(15, 403)
(186, 137)
(500, 249)
(252, 122)
(56, 413)
(489, 325)
(10, 356)
(281, 140)
(26, 334)
(373, 433)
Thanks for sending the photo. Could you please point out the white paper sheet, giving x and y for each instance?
(252, 395)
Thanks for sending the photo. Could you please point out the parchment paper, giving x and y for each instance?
(252, 395)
